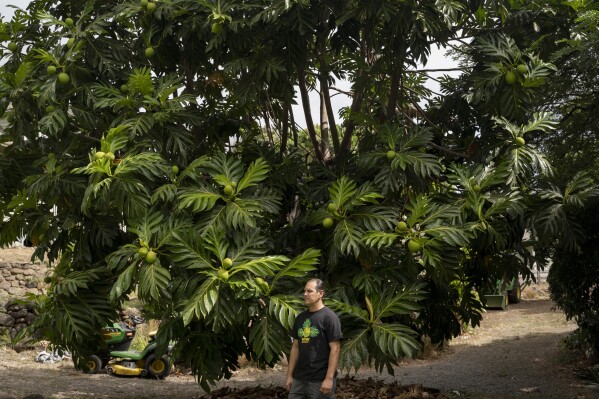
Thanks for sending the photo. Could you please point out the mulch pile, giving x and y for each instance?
(347, 388)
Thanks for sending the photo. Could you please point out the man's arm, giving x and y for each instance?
(327, 384)
(293, 356)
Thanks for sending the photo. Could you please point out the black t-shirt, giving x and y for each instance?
(313, 332)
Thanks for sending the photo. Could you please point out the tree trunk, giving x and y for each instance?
(301, 78)
(267, 126)
(355, 107)
(324, 129)
(325, 95)
(285, 128)
(293, 128)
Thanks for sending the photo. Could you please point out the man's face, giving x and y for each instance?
(311, 294)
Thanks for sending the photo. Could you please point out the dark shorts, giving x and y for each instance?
(310, 390)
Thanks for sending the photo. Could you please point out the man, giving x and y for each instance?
(316, 333)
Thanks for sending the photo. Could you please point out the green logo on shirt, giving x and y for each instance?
(307, 331)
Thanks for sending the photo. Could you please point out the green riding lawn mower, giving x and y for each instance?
(506, 291)
(117, 358)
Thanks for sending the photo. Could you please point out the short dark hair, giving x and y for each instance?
(319, 284)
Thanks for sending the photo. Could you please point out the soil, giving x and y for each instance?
(515, 353)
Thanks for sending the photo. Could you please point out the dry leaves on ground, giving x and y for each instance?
(348, 388)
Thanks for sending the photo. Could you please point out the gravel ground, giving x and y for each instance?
(515, 353)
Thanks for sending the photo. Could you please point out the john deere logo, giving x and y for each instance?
(307, 331)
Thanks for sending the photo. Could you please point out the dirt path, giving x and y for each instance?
(514, 354)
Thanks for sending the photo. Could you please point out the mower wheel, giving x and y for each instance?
(92, 365)
(515, 294)
(158, 367)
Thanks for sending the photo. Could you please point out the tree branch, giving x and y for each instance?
(436, 146)
(393, 93)
(356, 105)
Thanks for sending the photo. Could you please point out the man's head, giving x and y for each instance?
(313, 294)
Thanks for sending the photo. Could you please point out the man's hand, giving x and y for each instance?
(293, 356)
(288, 383)
(326, 386)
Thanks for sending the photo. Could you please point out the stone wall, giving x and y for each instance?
(15, 317)
(18, 275)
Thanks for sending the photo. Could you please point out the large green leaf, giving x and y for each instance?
(267, 338)
(256, 172)
(241, 213)
(348, 237)
(146, 226)
(188, 251)
(285, 308)
(202, 302)
(342, 191)
(153, 279)
(198, 198)
(396, 339)
(124, 282)
(354, 351)
(265, 266)
(299, 266)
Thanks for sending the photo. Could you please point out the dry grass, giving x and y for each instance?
(536, 291)
(142, 334)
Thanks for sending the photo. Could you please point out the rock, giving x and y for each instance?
(17, 292)
(18, 314)
(12, 305)
(34, 396)
(29, 318)
(6, 320)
